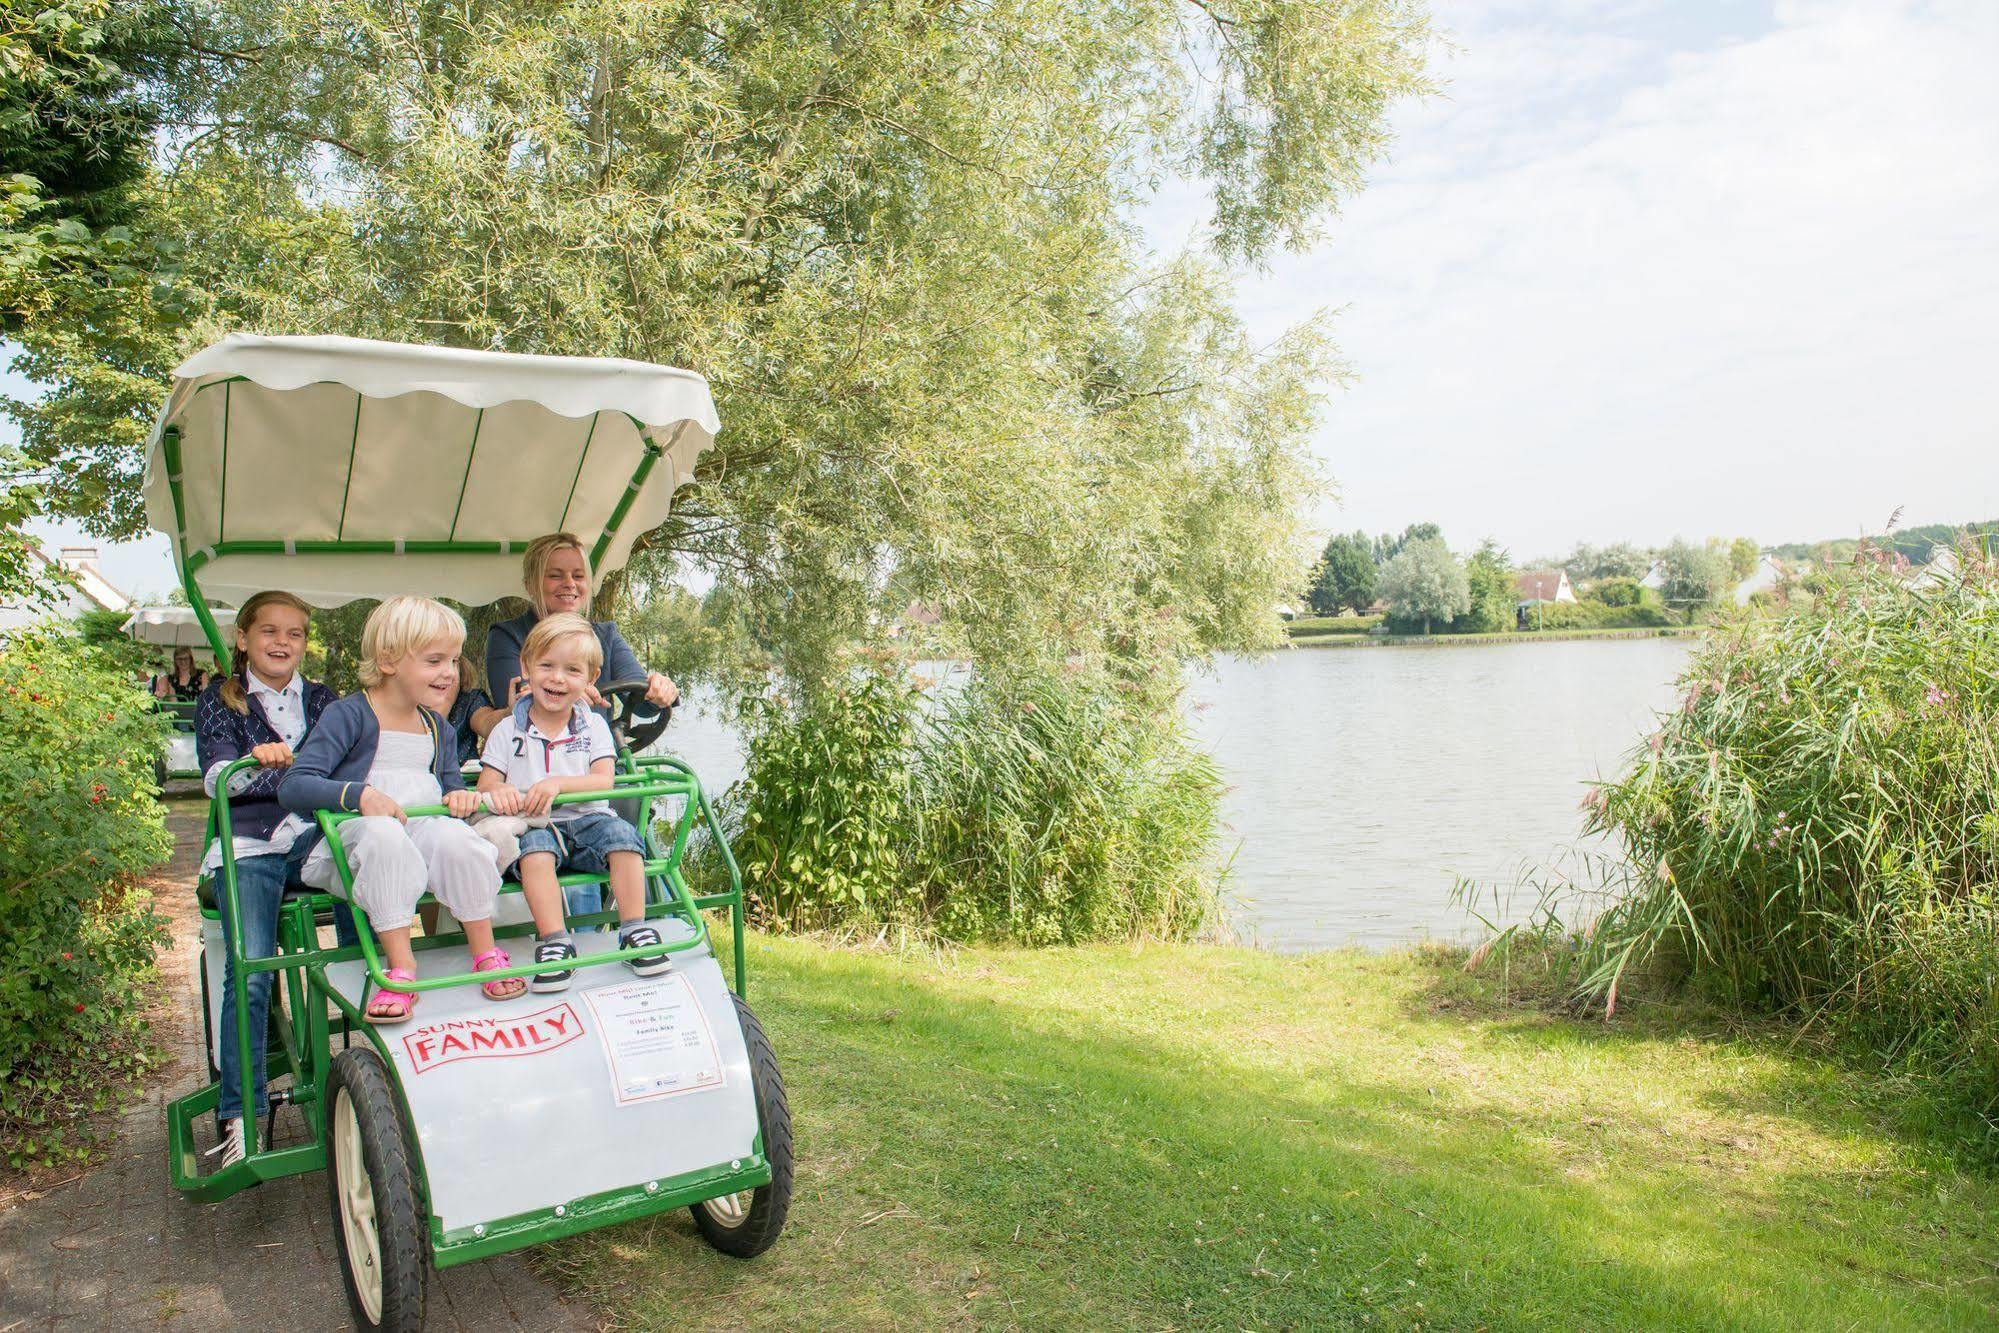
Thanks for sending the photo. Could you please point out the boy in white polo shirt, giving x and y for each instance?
(552, 743)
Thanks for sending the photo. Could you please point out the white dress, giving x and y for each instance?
(394, 862)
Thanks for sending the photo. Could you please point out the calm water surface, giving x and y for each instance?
(1363, 781)
(1366, 780)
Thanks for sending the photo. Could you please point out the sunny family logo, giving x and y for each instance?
(490, 1038)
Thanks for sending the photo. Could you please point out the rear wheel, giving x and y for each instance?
(747, 1223)
(377, 1209)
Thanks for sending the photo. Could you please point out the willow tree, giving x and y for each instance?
(895, 236)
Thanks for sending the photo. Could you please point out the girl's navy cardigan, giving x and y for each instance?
(331, 767)
(221, 733)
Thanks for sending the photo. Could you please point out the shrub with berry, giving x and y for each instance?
(79, 822)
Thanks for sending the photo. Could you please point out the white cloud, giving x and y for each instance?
(1644, 274)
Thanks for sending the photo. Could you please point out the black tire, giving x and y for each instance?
(745, 1234)
(359, 1081)
(207, 1017)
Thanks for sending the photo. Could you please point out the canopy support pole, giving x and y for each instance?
(646, 465)
(170, 454)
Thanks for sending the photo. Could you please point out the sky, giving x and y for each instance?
(1651, 268)
(1657, 269)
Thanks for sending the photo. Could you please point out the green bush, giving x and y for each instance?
(1816, 828)
(1595, 615)
(1037, 812)
(1054, 812)
(1616, 592)
(1311, 627)
(79, 820)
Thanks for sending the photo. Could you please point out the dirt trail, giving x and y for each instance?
(117, 1247)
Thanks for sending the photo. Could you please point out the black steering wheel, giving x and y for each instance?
(635, 721)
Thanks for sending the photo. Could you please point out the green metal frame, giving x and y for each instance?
(303, 1030)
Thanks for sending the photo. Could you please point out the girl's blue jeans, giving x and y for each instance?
(261, 882)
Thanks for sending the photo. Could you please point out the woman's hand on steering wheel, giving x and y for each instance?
(662, 691)
(635, 716)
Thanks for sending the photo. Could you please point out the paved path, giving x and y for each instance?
(117, 1248)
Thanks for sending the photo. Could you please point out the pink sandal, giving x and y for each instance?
(492, 960)
(403, 1001)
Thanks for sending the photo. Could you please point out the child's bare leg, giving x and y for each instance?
(396, 949)
(544, 894)
(628, 887)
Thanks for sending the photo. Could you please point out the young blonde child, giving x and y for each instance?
(386, 748)
(551, 743)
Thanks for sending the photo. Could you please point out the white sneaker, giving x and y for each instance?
(231, 1146)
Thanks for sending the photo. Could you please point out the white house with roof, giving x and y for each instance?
(71, 583)
(1543, 585)
(1770, 573)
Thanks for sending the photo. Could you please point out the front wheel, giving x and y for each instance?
(377, 1211)
(746, 1223)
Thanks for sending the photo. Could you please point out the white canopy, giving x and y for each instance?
(285, 443)
(172, 626)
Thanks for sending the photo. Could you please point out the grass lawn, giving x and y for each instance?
(1196, 1137)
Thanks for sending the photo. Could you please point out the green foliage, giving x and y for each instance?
(1618, 560)
(1038, 811)
(1489, 583)
(1423, 584)
(823, 812)
(75, 115)
(1743, 555)
(1313, 627)
(1345, 577)
(1587, 614)
(1813, 829)
(1694, 576)
(1616, 591)
(1054, 812)
(78, 821)
(893, 238)
(1387, 546)
(1916, 545)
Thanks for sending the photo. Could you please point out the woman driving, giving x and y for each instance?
(556, 576)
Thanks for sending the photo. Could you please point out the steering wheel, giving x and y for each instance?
(635, 720)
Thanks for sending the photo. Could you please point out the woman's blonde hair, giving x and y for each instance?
(405, 625)
(551, 630)
(535, 563)
(233, 695)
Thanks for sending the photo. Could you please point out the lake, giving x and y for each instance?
(1364, 781)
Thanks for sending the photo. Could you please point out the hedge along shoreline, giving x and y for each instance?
(80, 822)
(1036, 811)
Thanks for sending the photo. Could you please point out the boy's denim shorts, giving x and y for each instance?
(584, 844)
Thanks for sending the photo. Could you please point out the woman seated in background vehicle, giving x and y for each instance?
(184, 683)
(556, 575)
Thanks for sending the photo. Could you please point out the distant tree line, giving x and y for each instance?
(1916, 545)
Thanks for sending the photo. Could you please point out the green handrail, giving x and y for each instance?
(638, 787)
(218, 811)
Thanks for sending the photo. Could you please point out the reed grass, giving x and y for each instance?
(1815, 829)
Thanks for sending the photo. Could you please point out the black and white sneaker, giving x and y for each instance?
(554, 951)
(645, 937)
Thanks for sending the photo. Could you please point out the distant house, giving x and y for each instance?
(1770, 574)
(1655, 577)
(1942, 567)
(76, 586)
(919, 614)
(1543, 585)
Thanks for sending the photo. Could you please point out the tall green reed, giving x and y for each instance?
(1041, 810)
(1815, 829)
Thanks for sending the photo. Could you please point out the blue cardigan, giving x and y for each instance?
(331, 768)
(503, 654)
(221, 733)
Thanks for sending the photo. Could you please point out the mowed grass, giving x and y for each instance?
(1195, 1137)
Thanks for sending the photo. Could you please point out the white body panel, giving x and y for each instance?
(525, 1115)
